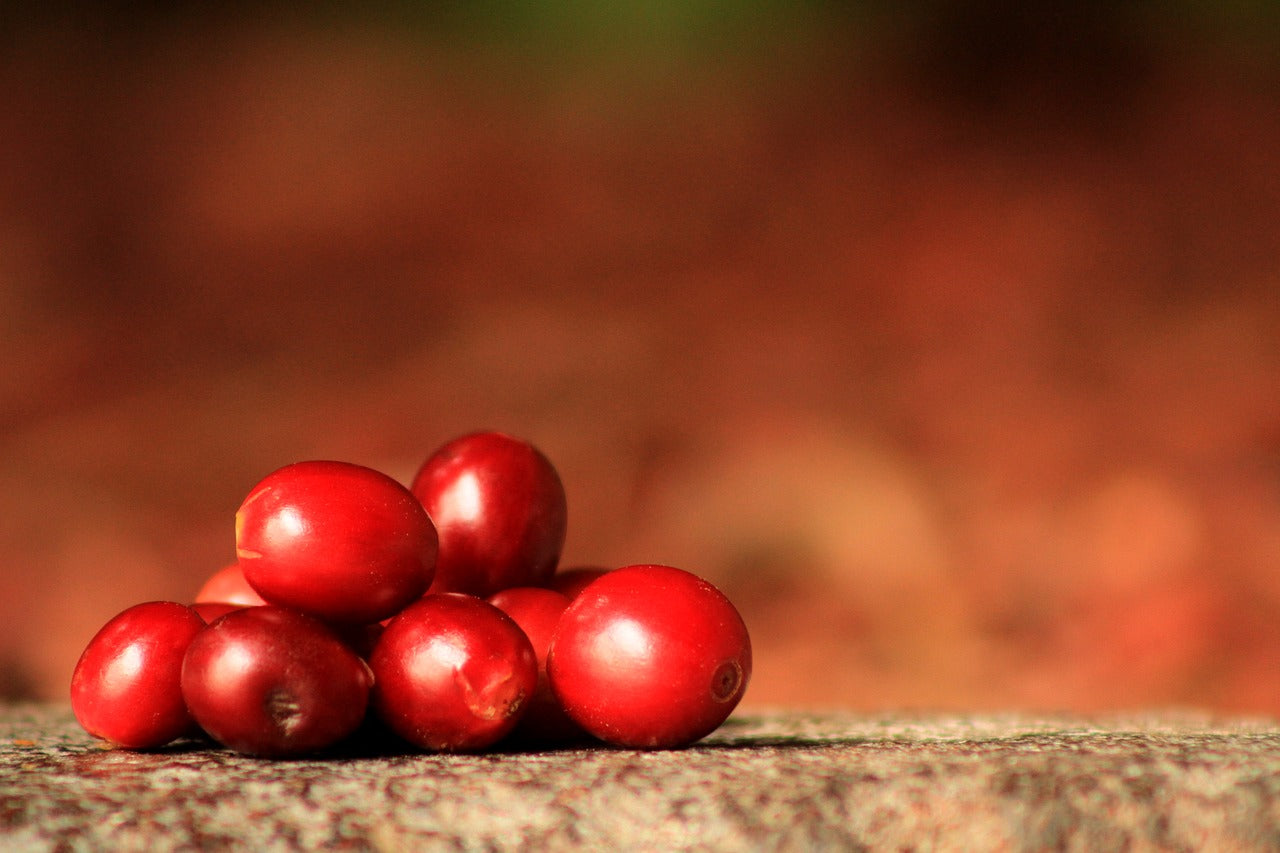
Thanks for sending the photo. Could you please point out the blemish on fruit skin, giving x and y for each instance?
(726, 681)
(283, 709)
(253, 497)
(246, 554)
(496, 700)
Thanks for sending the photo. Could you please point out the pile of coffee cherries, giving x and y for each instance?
(436, 615)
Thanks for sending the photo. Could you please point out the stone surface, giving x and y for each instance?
(775, 781)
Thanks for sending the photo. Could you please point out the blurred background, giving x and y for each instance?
(943, 336)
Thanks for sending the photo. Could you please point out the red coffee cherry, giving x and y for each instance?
(574, 580)
(274, 682)
(339, 541)
(650, 657)
(228, 585)
(126, 686)
(452, 673)
(537, 612)
(500, 510)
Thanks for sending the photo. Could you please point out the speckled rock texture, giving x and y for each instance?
(766, 781)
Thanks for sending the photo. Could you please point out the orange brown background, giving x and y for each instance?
(945, 339)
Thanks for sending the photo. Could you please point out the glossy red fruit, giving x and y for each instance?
(339, 541)
(537, 611)
(650, 657)
(228, 585)
(126, 686)
(500, 510)
(274, 682)
(574, 580)
(453, 673)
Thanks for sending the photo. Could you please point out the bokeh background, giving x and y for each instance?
(943, 336)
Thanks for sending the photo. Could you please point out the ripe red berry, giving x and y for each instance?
(126, 686)
(228, 585)
(574, 580)
(274, 682)
(537, 611)
(650, 657)
(499, 507)
(453, 673)
(339, 541)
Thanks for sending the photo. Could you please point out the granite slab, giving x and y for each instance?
(767, 780)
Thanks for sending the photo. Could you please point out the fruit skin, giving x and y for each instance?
(452, 673)
(500, 510)
(339, 541)
(537, 612)
(126, 686)
(274, 682)
(650, 657)
(228, 585)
